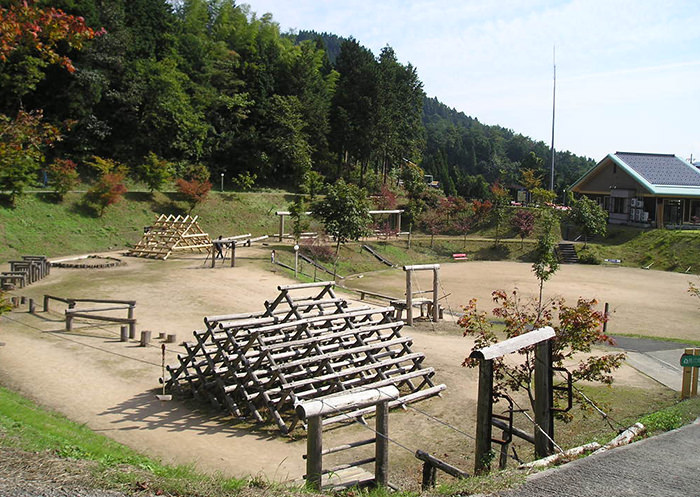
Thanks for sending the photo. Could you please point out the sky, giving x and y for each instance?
(627, 71)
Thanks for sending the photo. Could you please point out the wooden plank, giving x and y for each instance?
(514, 344)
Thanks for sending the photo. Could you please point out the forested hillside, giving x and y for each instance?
(210, 82)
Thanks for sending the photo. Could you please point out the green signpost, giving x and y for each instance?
(690, 361)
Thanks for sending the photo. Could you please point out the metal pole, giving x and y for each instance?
(222, 182)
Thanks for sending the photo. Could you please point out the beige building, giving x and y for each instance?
(644, 190)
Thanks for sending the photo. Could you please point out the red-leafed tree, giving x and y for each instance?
(109, 187)
(40, 32)
(194, 185)
(63, 176)
(578, 328)
(523, 221)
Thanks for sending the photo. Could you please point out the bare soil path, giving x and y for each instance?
(93, 378)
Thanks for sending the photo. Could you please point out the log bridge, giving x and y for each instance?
(112, 305)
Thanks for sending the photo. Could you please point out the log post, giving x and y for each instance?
(281, 227)
(436, 303)
(409, 298)
(171, 338)
(130, 312)
(132, 330)
(69, 322)
(46, 303)
(484, 407)
(32, 307)
(429, 476)
(23, 300)
(15, 302)
(145, 338)
(544, 429)
(233, 254)
(124, 333)
(314, 446)
(381, 445)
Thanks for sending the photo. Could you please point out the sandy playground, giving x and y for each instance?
(93, 378)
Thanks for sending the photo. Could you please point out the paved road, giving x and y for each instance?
(655, 358)
(667, 465)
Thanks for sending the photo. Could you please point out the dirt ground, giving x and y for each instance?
(93, 378)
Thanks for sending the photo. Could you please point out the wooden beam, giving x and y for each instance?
(514, 344)
(352, 400)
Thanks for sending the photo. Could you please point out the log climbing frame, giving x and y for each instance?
(169, 234)
(301, 347)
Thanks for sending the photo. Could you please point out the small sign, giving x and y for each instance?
(690, 361)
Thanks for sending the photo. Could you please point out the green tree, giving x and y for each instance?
(589, 217)
(353, 109)
(312, 185)
(300, 222)
(22, 144)
(546, 262)
(344, 212)
(400, 95)
(154, 172)
(499, 212)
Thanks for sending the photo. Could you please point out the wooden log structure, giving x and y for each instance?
(74, 312)
(299, 348)
(169, 234)
(432, 463)
(484, 413)
(313, 412)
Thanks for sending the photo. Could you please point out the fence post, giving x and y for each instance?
(409, 299)
(124, 334)
(381, 445)
(429, 476)
(46, 303)
(314, 459)
(484, 406)
(543, 400)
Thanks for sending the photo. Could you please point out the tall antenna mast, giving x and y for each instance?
(554, 99)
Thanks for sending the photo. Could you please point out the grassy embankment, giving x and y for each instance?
(37, 225)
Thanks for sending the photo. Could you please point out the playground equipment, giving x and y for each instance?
(226, 247)
(90, 313)
(347, 475)
(30, 269)
(169, 234)
(259, 365)
(409, 302)
(544, 398)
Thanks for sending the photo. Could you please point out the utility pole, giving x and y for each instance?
(554, 99)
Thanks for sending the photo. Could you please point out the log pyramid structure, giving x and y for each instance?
(258, 366)
(169, 234)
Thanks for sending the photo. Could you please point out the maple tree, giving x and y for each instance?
(63, 176)
(109, 187)
(578, 328)
(524, 223)
(22, 144)
(23, 25)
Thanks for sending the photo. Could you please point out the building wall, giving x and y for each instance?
(609, 177)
